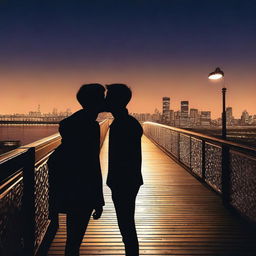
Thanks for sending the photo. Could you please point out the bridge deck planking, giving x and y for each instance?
(175, 215)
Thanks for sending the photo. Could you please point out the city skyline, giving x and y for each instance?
(187, 116)
(158, 48)
(165, 111)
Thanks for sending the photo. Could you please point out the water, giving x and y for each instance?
(26, 133)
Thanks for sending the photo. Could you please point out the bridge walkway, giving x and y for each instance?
(175, 215)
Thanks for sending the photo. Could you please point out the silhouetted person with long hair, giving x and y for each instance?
(74, 168)
(124, 172)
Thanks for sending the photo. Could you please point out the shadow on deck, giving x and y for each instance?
(175, 215)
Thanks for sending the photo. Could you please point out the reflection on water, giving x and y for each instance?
(26, 133)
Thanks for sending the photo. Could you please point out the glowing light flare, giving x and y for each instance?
(215, 76)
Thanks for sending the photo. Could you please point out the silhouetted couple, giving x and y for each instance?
(75, 172)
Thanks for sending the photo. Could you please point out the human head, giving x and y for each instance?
(118, 96)
(91, 96)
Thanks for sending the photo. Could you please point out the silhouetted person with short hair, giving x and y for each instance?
(74, 168)
(124, 173)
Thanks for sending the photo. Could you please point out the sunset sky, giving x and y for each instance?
(158, 47)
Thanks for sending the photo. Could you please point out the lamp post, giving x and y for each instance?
(225, 177)
(216, 75)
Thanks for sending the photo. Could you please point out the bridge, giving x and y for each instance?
(30, 120)
(198, 199)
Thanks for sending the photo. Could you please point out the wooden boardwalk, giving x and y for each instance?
(175, 215)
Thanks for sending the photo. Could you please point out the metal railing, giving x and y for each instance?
(228, 168)
(24, 194)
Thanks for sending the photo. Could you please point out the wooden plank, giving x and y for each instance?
(175, 215)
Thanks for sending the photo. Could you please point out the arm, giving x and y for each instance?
(97, 212)
(99, 202)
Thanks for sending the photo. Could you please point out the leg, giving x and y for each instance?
(76, 227)
(125, 208)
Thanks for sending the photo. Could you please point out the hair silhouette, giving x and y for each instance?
(89, 94)
(119, 95)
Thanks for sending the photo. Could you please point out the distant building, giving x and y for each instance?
(156, 117)
(177, 118)
(55, 112)
(166, 110)
(229, 115)
(194, 117)
(254, 119)
(205, 118)
(171, 117)
(35, 113)
(68, 112)
(236, 122)
(142, 117)
(184, 121)
(147, 117)
(245, 118)
(104, 115)
(250, 121)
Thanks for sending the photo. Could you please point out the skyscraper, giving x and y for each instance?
(245, 118)
(171, 117)
(156, 116)
(205, 118)
(166, 110)
(177, 118)
(184, 113)
(229, 115)
(194, 117)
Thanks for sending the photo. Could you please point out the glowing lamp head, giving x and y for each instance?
(217, 74)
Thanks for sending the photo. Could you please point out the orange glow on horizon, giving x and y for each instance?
(22, 92)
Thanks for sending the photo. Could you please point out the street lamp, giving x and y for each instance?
(216, 75)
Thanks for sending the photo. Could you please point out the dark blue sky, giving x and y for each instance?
(45, 31)
(172, 35)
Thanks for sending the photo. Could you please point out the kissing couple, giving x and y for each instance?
(75, 177)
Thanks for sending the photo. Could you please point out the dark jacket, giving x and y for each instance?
(124, 168)
(74, 168)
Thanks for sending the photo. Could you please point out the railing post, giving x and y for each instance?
(203, 160)
(29, 202)
(178, 146)
(190, 152)
(225, 175)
